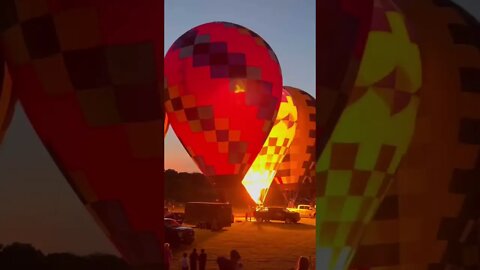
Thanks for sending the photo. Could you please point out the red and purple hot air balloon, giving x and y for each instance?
(223, 89)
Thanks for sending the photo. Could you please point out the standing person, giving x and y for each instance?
(184, 262)
(167, 256)
(224, 263)
(193, 259)
(303, 263)
(235, 259)
(202, 260)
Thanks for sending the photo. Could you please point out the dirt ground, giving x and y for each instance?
(263, 246)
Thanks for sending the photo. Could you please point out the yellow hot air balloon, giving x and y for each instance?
(370, 138)
(430, 217)
(260, 175)
(7, 101)
(299, 162)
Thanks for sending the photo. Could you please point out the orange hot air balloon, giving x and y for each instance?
(259, 177)
(88, 74)
(299, 162)
(7, 100)
(165, 125)
(223, 90)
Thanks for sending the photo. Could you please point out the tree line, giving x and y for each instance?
(26, 257)
(185, 187)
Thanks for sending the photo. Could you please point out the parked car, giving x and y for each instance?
(176, 234)
(276, 213)
(209, 215)
(305, 210)
(177, 216)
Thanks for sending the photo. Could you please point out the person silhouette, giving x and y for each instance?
(184, 262)
(202, 260)
(235, 260)
(224, 263)
(193, 259)
(167, 256)
(303, 263)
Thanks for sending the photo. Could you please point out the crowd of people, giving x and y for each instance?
(198, 261)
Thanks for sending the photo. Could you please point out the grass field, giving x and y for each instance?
(263, 246)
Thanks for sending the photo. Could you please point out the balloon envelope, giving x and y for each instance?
(430, 217)
(299, 162)
(260, 175)
(370, 139)
(87, 74)
(223, 90)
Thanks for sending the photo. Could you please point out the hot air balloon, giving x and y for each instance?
(88, 76)
(223, 90)
(429, 219)
(372, 134)
(7, 101)
(299, 163)
(259, 177)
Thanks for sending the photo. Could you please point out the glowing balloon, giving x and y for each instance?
(7, 101)
(223, 90)
(299, 162)
(88, 74)
(259, 177)
(372, 135)
(430, 217)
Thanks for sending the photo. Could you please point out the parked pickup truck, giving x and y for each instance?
(276, 213)
(305, 210)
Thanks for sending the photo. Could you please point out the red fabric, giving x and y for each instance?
(214, 93)
(111, 173)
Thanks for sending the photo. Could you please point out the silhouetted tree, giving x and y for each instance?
(184, 187)
(25, 257)
(106, 261)
(61, 261)
(21, 256)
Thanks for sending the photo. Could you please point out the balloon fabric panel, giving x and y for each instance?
(429, 219)
(165, 125)
(342, 31)
(260, 175)
(223, 89)
(86, 74)
(299, 162)
(7, 101)
(372, 135)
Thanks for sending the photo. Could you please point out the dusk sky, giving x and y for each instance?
(38, 206)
